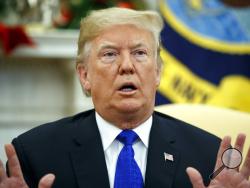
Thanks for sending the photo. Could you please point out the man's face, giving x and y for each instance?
(121, 72)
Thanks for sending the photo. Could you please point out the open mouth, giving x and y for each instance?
(127, 88)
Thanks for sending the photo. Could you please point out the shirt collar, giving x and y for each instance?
(143, 130)
(109, 131)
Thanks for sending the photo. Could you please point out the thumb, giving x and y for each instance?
(195, 178)
(46, 181)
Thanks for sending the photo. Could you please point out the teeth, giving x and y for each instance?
(127, 89)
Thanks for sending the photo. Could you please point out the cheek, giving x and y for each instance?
(102, 79)
(148, 73)
(151, 84)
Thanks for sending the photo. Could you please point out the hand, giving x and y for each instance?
(16, 179)
(228, 178)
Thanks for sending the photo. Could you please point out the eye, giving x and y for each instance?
(140, 52)
(109, 56)
(140, 55)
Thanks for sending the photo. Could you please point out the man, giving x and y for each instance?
(122, 142)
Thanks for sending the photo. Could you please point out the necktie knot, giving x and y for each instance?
(127, 137)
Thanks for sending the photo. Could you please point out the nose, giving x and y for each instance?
(126, 66)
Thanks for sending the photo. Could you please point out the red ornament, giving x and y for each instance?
(12, 37)
(125, 5)
(64, 17)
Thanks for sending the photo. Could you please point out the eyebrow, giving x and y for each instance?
(139, 45)
(106, 45)
(110, 45)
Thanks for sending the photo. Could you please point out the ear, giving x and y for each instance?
(158, 77)
(159, 68)
(82, 72)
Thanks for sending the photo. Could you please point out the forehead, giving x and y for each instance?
(124, 35)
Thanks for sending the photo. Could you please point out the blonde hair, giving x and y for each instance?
(97, 21)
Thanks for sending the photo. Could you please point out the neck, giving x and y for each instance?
(126, 120)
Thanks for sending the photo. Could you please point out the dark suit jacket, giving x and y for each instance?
(71, 148)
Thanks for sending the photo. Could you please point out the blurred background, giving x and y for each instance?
(205, 52)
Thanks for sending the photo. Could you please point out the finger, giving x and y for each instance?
(195, 178)
(46, 181)
(13, 162)
(225, 144)
(239, 143)
(2, 172)
(245, 170)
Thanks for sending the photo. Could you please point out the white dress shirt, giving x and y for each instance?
(112, 147)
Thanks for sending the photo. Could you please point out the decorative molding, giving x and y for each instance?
(50, 44)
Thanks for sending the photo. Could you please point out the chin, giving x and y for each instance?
(129, 107)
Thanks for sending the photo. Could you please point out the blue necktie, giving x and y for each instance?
(128, 174)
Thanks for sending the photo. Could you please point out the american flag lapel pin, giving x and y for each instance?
(168, 157)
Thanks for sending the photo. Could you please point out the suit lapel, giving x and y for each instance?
(88, 156)
(160, 173)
